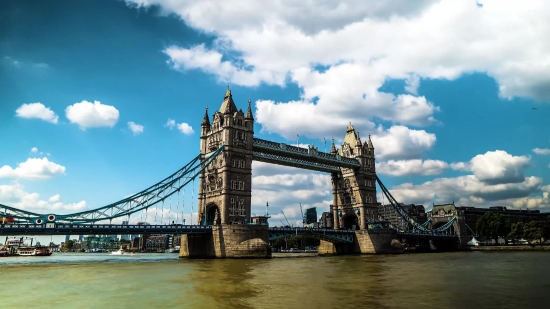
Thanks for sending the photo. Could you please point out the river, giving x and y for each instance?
(438, 280)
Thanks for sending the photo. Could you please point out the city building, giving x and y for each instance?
(388, 213)
(157, 243)
(100, 242)
(67, 237)
(310, 215)
(326, 220)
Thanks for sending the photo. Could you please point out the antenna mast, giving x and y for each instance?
(303, 218)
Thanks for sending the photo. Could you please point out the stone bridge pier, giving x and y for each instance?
(442, 214)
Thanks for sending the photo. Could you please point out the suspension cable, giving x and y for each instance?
(192, 198)
(183, 207)
(170, 210)
(178, 204)
(162, 212)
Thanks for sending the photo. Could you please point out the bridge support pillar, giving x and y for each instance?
(377, 242)
(228, 241)
(328, 248)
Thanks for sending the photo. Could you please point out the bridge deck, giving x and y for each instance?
(280, 153)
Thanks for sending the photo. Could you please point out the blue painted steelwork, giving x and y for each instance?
(417, 229)
(299, 163)
(127, 206)
(286, 152)
(335, 236)
(98, 229)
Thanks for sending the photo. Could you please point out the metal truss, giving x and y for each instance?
(417, 228)
(149, 197)
(312, 156)
(299, 163)
(98, 229)
(335, 236)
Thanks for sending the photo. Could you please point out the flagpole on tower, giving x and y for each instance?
(297, 139)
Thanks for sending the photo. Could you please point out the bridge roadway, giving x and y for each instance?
(342, 236)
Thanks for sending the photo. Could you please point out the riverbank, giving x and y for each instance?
(510, 248)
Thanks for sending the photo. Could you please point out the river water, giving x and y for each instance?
(438, 280)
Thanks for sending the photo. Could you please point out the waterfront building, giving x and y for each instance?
(417, 212)
(95, 242)
(472, 214)
(67, 237)
(326, 220)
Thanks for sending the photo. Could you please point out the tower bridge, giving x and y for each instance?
(223, 168)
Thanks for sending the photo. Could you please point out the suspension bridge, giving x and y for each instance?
(224, 227)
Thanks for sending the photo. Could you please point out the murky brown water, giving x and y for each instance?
(446, 280)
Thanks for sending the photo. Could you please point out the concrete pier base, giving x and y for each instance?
(228, 241)
(366, 242)
(377, 242)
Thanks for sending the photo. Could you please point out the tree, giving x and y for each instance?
(68, 244)
(516, 231)
(537, 230)
(492, 226)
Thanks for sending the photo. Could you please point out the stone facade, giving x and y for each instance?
(365, 242)
(225, 185)
(354, 190)
(228, 241)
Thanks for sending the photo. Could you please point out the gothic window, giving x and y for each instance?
(241, 163)
(233, 207)
(241, 207)
(369, 183)
(237, 185)
(346, 183)
(220, 183)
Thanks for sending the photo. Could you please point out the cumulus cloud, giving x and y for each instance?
(33, 169)
(285, 188)
(411, 167)
(34, 150)
(36, 110)
(466, 190)
(91, 115)
(171, 123)
(135, 128)
(185, 128)
(496, 167)
(15, 195)
(541, 151)
(401, 142)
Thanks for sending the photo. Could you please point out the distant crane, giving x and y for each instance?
(286, 219)
(303, 218)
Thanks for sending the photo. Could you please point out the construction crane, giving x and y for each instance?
(303, 218)
(286, 219)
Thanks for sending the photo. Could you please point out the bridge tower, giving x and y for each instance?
(225, 185)
(354, 190)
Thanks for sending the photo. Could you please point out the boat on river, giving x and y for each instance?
(16, 247)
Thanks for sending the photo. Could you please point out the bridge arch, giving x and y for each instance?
(211, 215)
(349, 221)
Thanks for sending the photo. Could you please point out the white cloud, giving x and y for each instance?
(400, 142)
(412, 84)
(55, 198)
(34, 150)
(33, 169)
(285, 188)
(135, 128)
(411, 167)
(171, 123)
(496, 167)
(185, 128)
(15, 195)
(90, 115)
(340, 75)
(466, 190)
(36, 110)
(541, 151)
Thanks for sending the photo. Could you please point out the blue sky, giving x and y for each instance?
(457, 106)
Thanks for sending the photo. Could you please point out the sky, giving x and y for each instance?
(101, 99)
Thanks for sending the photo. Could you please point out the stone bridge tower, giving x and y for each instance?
(225, 186)
(354, 190)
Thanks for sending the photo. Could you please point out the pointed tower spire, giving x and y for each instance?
(249, 111)
(206, 119)
(333, 147)
(369, 143)
(228, 106)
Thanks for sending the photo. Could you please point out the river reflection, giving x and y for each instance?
(446, 280)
